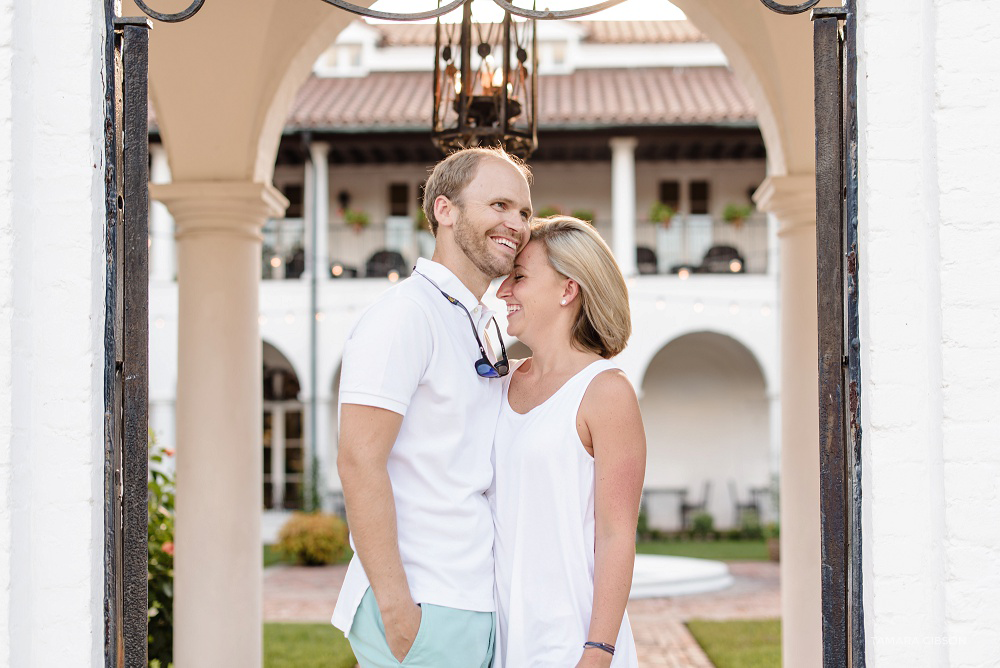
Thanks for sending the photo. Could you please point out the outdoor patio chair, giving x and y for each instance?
(743, 509)
(688, 509)
(645, 260)
(383, 262)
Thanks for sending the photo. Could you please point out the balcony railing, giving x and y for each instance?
(690, 244)
(700, 243)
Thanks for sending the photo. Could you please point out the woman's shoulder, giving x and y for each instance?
(610, 391)
(609, 383)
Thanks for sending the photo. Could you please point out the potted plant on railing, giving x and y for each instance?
(547, 211)
(358, 220)
(735, 214)
(661, 214)
(586, 215)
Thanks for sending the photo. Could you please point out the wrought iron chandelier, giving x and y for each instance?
(485, 75)
(487, 95)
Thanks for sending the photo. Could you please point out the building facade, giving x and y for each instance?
(352, 161)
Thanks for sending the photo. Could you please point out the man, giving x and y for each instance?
(420, 393)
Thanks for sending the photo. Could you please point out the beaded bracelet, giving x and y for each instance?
(610, 649)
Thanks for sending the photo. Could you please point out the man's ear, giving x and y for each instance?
(445, 211)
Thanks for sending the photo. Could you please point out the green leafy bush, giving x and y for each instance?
(314, 539)
(702, 525)
(161, 556)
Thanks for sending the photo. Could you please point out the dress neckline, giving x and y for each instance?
(506, 398)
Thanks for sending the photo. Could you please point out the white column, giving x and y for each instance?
(217, 582)
(319, 206)
(623, 202)
(162, 255)
(324, 453)
(792, 199)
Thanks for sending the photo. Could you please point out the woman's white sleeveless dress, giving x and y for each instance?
(542, 499)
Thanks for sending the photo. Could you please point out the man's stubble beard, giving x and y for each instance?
(477, 248)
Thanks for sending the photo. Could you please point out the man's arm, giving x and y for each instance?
(367, 435)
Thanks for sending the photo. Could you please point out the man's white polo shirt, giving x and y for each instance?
(413, 352)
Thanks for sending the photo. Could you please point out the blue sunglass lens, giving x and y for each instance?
(485, 370)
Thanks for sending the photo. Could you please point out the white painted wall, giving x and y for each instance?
(929, 97)
(51, 333)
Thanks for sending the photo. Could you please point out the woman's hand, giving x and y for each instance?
(594, 658)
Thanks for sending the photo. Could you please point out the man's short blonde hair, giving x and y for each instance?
(575, 250)
(450, 176)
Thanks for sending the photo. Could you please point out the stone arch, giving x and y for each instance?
(250, 65)
(747, 33)
(707, 418)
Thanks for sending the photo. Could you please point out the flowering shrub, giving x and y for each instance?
(161, 556)
(314, 539)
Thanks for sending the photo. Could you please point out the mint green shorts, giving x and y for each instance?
(447, 638)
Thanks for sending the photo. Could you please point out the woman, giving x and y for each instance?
(569, 458)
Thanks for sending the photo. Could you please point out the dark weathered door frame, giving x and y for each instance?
(126, 336)
(126, 332)
(835, 85)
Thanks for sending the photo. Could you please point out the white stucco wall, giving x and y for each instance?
(51, 333)
(929, 96)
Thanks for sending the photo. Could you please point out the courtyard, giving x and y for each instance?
(308, 594)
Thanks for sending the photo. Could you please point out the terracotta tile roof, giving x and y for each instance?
(597, 32)
(642, 32)
(585, 98)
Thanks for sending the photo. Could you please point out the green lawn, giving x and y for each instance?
(740, 644)
(288, 645)
(722, 550)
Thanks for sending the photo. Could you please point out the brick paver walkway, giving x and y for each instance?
(308, 594)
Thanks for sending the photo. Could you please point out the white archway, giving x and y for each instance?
(707, 416)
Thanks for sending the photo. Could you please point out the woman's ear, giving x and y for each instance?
(570, 291)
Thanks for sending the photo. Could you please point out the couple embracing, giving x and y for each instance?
(492, 503)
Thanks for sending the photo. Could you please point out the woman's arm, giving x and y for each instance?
(611, 425)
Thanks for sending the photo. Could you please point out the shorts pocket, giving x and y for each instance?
(422, 631)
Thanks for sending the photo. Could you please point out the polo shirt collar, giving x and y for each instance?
(448, 282)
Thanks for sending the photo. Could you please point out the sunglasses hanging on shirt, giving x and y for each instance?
(484, 367)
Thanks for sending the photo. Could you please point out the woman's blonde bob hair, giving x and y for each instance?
(575, 250)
